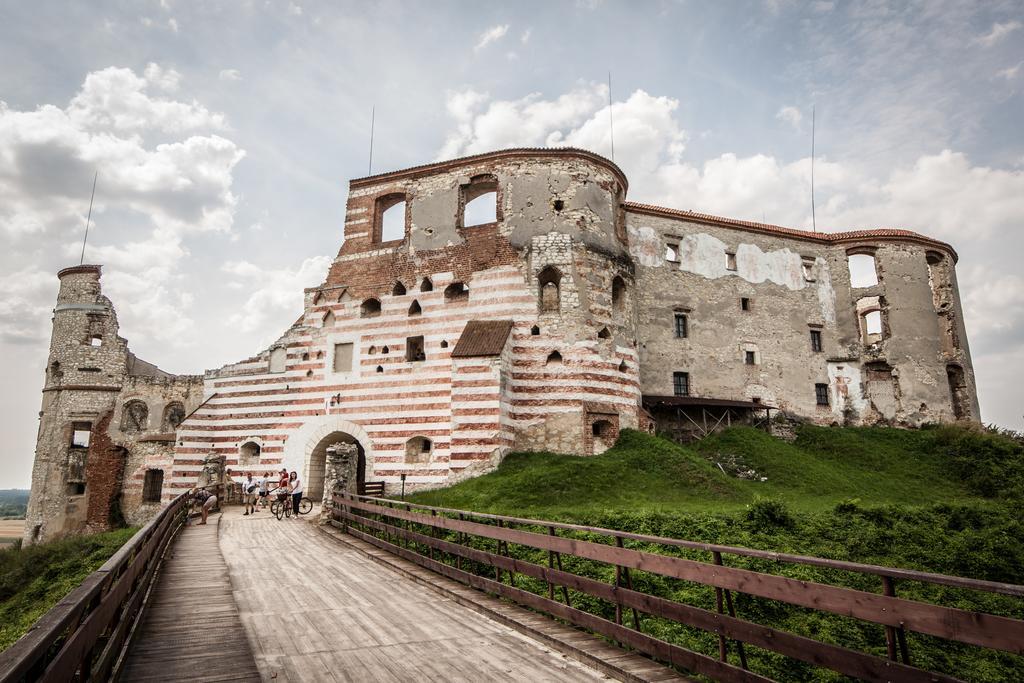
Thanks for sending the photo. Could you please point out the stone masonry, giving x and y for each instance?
(610, 308)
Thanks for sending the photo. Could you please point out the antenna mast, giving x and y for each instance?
(373, 116)
(611, 120)
(814, 222)
(88, 218)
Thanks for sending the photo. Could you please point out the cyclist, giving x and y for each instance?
(295, 486)
(282, 487)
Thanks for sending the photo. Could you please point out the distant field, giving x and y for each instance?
(10, 530)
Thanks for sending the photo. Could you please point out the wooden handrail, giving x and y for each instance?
(390, 524)
(82, 636)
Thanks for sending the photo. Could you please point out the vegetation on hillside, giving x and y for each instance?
(13, 503)
(945, 499)
(34, 578)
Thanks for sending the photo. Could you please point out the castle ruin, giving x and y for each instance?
(439, 342)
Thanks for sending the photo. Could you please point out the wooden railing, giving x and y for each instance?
(83, 635)
(473, 548)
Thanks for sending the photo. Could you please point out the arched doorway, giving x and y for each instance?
(316, 466)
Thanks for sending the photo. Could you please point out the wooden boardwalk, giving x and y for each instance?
(191, 630)
(317, 610)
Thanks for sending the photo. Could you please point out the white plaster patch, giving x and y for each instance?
(645, 246)
(826, 294)
(845, 386)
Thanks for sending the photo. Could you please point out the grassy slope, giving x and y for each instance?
(644, 473)
(34, 579)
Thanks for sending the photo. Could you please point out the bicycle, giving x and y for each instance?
(283, 508)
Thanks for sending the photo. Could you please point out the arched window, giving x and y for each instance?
(549, 281)
(444, 344)
(415, 308)
(174, 415)
(456, 291)
(372, 350)
(862, 269)
(604, 333)
(398, 290)
(479, 201)
(418, 450)
(277, 359)
(380, 368)
(391, 218)
(369, 308)
(535, 330)
(426, 285)
(249, 454)
(134, 417)
(618, 294)
(623, 367)
(554, 358)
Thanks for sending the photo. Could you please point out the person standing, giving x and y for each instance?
(263, 488)
(295, 486)
(249, 487)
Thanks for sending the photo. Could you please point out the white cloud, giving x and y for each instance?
(26, 304)
(276, 297)
(491, 35)
(790, 115)
(151, 196)
(172, 23)
(230, 75)
(294, 10)
(524, 37)
(1010, 73)
(998, 32)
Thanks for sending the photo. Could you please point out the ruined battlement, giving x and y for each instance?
(513, 300)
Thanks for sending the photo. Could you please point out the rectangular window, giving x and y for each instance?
(749, 358)
(681, 330)
(343, 357)
(414, 349)
(808, 268)
(730, 261)
(744, 304)
(80, 434)
(672, 252)
(821, 394)
(152, 486)
(816, 341)
(681, 383)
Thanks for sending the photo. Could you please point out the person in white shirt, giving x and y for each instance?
(249, 487)
(264, 486)
(295, 486)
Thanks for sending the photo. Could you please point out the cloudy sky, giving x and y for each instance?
(224, 134)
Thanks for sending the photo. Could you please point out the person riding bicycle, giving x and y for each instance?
(282, 485)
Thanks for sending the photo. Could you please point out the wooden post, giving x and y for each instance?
(497, 569)
(900, 634)
(551, 565)
(732, 613)
(459, 538)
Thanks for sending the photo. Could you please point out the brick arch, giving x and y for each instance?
(299, 446)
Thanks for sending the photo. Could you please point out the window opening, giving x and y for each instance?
(96, 341)
(604, 333)
(549, 280)
(414, 349)
(618, 294)
(862, 270)
(554, 358)
(80, 432)
(398, 290)
(681, 326)
(380, 368)
(730, 261)
(415, 308)
(456, 291)
(392, 217)
(249, 454)
(816, 341)
(808, 269)
(749, 358)
(821, 394)
(672, 253)
(152, 486)
(480, 201)
(681, 383)
(385, 350)
(535, 330)
(958, 391)
(623, 367)
(444, 344)
(418, 450)
(426, 285)
(372, 351)
(558, 205)
(744, 304)
(343, 357)
(369, 308)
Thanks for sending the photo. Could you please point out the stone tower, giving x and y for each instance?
(83, 374)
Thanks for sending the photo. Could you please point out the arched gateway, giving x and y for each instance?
(306, 450)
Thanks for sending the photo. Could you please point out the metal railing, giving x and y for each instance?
(83, 635)
(473, 548)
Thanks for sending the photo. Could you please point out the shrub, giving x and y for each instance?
(768, 514)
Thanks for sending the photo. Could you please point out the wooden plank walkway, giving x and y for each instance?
(191, 630)
(321, 611)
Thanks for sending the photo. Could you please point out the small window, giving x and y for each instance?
(807, 266)
(744, 304)
(681, 326)
(398, 289)
(96, 341)
(343, 357)
(749, 358)
(380, 368)
(249, 454)
(535, 330)
(623, 367)
(730, 261)
(277, 360)
(369, 308)
(618, 294)
(816, 341)
(444, 344)
(385, 350)
(480, 201)
(80, 434)
(152, 486)
(549, 281)
(672, 252)
(418, 449)
(821, 394)
(604, 333)
(862, 270)
(391, 211)
(372, 351)
(426, 285)
(414, 349)
(456, 291)
(681, 383)
(554, 358)
(76, 489)
(415, 308)
(873, 323)
(558, 205)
